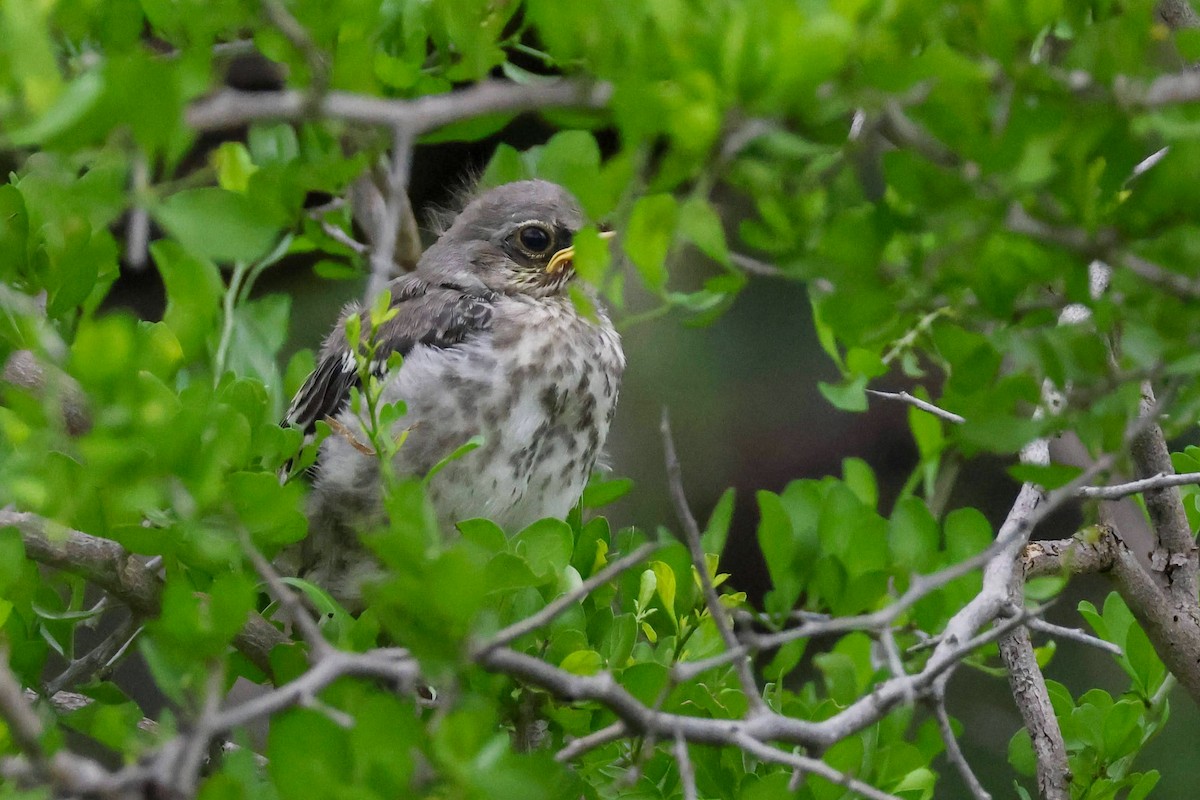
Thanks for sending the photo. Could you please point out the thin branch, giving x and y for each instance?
(754, 266)
(765, 725)
(98, 658)
(567, 599)
(810, 765)
(137, 224)
(898, 128)
(1025, 679)
(289, 601)
(110, 567)
(1160, 480)
(687, 773)
(691, 538)
(394, 665)
(24, 726)
(395, 203)
(577, 747)
(954, 753)
(185, 771)
(318, 66)
(230, 108)
(924, 405)
(1074, 634)
(340, 236)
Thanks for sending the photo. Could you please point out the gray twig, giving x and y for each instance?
(809, 765)
(954, 753)
(98, 658)
(289, 601)
(23, 724)
(577, 747)
(1160, 480)
(916, 402)
(567, 599)
(395, 207)
(231, 108)
(691, 538)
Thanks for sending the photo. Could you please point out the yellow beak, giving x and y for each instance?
(562, 259)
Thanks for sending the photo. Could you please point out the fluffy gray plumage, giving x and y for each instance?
(492, 346)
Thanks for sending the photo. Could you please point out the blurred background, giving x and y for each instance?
(746, 413)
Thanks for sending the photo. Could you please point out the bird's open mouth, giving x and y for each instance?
(561, 261)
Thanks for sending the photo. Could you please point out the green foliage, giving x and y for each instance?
(727, 131)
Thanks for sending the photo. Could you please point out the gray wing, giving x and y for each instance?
(433, 315)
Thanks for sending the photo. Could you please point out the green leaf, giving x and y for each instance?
(700, 225)
(1144, 785)
(218, 224)
(649, 235)
(14, 232)
(600, 493)
(1020, 753)
(81, 96)
(622, 636)
(546, 546)
(778, 544)
(582, 662)
(308, 755)
(665, 583)
(849, 395)
(647, 585)
(913, 535)
(194, 291)
(473, 443)
(717, 529)
(234, 166)
(859, 477)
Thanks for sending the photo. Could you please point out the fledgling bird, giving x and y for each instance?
(492, 346)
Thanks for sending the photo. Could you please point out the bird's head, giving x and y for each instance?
(517, 238)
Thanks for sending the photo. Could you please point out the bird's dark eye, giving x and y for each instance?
(534, 238)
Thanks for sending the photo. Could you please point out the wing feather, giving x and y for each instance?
(441, 316)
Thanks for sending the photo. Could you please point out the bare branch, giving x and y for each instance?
(810, 765)
(1179, 555)
(566, 600)
(924, 405)
(1074, 634)
(1161, 480)
(231, 108)
(23, 724)
(394, 665)
(137, 225)
(1091, 550)
(98, 658)
(754, 266)
(106, 564)
(1177, 14)
(687, 773)
(954, 753)
(691, 538)
(898, 128)
(23, 369)
(339, 235)
(318, 67)
(1033, 701)
(288, 600)
(395, 206)
(1103, 244)
(577, 747)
